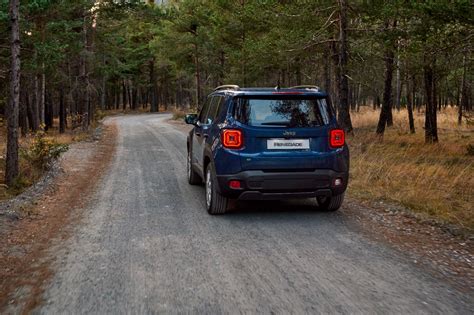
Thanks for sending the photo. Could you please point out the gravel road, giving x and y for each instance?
(147, 245)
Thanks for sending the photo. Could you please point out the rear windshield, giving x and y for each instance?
(273, 112)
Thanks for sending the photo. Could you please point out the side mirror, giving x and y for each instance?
(191, 119)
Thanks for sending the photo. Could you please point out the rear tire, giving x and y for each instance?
(193, 177)
(330, 203)
(215, 202)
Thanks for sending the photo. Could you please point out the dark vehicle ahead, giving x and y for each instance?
(267, 144)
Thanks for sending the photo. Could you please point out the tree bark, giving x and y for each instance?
(42, 103)
(124, 95)
(153, 89)
(62, 111)
(463, 95)
(398, 81)
(103, 95)
(12, 165)
(411, 121)
(386, 112)
(344, 117)
(431, 128)
(30, 112)
(23, 114)
(198, 76)
(85, 97)
(327, 71)
(48, 111)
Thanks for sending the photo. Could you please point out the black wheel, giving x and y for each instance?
(215, 202)
(330, 203)
(193, 177)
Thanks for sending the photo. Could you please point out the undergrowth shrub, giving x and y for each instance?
(470, 149)
(43, 151)
(99, 114)
(178, 115)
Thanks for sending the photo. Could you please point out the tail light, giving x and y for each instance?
(232, 138)
(336, 138)
(235, 184)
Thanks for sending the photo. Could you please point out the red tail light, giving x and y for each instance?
(336, 138)
(235, 184)
(232, 138)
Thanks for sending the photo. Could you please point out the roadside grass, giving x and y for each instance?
(436, 179)
(179, 114)
(36, 151)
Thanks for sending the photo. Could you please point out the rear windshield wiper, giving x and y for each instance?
(276, 123)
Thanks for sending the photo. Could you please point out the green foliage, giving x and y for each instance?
(19, 184)
(43, 151)
(3, 11)
(250, 43)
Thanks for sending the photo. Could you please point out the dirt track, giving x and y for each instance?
(146, 245)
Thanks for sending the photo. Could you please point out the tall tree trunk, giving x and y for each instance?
(153, 88)
(145, 94)
(30, 112)
(386, 118)
(116, 96)
(23, 114)
(220, 78)
(48, 111)
(38, 98)
(335, 75)
(463, 95)
(431, 128)
(103, 95)
(358, 98)
(11, 166)
(298, 75)
(85, 97)
(42, 103)
(344, 117)
(398, 81)
(197, 75)
(386, 112)
(62, 111)
(411, 121)
(124, 95)
(327, 71)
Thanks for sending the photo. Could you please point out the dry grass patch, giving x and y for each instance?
(36, 150)
(435, 179)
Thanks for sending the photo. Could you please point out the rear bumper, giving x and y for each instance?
(260, 185)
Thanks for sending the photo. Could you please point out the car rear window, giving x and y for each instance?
(282, 112)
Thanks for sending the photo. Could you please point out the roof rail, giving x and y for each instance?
(227, 87)
(308, 87)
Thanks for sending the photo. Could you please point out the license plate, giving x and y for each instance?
(288, 144)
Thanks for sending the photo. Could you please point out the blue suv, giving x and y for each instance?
(267, 144)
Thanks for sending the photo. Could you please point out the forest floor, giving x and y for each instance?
(434, 180)
(30, 172)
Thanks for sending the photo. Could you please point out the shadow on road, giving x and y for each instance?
(279, 207)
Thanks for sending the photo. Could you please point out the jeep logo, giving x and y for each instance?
(289, 133)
